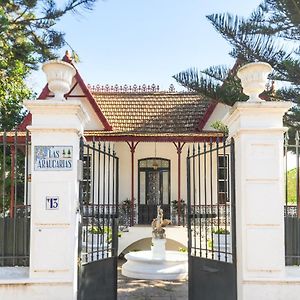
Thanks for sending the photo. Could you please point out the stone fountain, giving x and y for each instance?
(157, 263)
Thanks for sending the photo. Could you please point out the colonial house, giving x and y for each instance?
(93, 161)
(151, 132)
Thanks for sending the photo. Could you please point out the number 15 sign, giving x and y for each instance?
(52, 203)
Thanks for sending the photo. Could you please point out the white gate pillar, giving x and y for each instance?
(257, 129)
(55, 133)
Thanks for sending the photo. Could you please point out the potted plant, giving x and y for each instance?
(126, 205)
(221, 240)
(124, 216)
(175, 209)
(95, 235)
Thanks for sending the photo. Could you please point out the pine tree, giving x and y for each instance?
(270, 34)
(27, 37)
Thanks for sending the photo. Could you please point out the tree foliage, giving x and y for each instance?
(27, 37)
(270, 34)
(9, 180)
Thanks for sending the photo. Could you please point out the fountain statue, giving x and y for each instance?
(157, 263)
(158, 247)
(158, 224)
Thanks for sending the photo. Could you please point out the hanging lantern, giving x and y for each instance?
(155, 165)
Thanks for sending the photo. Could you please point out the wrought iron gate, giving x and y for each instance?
(211, 221)
(98, 229)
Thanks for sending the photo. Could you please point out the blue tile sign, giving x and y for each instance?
(52, 203)
(53, 158)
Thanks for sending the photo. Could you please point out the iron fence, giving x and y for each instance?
(98, 201)
(98, 227)
(14, 195)
(210, 168)
(95, 213)
(292, 200)
(211, 220)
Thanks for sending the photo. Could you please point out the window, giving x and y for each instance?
(223, 187)
(154, 181)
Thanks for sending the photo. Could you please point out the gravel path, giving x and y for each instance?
(137, 289)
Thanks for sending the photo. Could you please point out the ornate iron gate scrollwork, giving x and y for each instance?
(211, 221)
(98, 229)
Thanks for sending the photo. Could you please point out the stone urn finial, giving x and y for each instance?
(254, 77)
(59, 77)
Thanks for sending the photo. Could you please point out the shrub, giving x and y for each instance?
(221, 231)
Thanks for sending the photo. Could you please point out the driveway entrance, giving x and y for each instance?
(98, 228)
(211, 221)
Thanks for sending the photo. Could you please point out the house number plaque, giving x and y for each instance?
(52, 203)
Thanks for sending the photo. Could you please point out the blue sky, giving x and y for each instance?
(146, 41)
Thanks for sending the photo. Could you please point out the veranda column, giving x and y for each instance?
(258, 131)
(55, 132)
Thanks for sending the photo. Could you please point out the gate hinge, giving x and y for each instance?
(79, 260)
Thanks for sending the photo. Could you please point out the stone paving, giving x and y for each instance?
(137, 289)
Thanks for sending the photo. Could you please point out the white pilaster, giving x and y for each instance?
(258, 133)
(53, 245)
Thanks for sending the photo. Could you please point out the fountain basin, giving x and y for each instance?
(142, 265)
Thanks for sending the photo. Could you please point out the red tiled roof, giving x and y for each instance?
(143, 111)
(156, 112)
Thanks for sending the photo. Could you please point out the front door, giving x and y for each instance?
(154, 189)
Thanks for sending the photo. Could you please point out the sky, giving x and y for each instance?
(146, 41)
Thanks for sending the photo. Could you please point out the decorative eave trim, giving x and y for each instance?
(162, 139)
(207, 115)
(93, 102)
(26, 122)
(45, 92)
(140, 137)
(189, 138)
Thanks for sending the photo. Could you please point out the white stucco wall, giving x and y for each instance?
(145, 150)
(218, 114)
(168, 151)
(144, 234)
(24, 289)
(93, 123)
